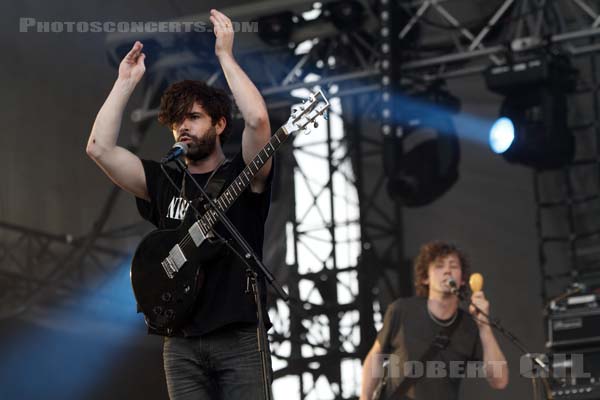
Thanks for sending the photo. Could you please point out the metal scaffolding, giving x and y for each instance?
(39, 267)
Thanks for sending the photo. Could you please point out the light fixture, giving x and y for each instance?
(421, 157)
(277, 29)
(502, 135)
(345, 14)
(532, 128)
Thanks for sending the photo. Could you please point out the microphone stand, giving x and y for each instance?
(252, 276)
(495, 323)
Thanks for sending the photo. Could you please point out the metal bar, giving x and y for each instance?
(298, 67)
(521, 21)
(321, 82)
(579, 34)
(454, 22)
(452, 58)
(366, 45)
(540, 19)
(459, 73)
(465, 32)
(361, 59)
(213, 78)
(486, 29)
(414, 19)
(586, 9)
(64, 238)
(528, 19)
(333, 315)
(583, 50)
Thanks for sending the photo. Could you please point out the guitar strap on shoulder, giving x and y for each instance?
(213, 186)
(217, 180)
(215, 183)
(440, 342)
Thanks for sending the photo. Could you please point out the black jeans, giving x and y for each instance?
(221, 365)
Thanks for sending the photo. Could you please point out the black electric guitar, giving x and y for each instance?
(167, 268)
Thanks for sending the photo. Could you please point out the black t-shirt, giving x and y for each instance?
(223, 299)
(407, 333)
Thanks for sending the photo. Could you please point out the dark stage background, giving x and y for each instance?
(52, 87)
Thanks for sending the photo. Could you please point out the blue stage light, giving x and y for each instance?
(534, 128)
(502, 135)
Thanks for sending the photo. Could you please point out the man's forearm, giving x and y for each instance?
(246, 95)
(369, 377)
(496, 367)
(105, 131)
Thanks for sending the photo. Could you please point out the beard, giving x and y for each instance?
(200, 148)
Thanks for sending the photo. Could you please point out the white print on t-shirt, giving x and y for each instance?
(177, 208)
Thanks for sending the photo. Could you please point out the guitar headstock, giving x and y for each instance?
(306, 113)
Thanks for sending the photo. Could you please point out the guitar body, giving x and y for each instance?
(167, 303)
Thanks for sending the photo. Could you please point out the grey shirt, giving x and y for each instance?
(408, 332)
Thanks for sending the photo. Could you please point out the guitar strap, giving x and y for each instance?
(440, 342)
(213, 186)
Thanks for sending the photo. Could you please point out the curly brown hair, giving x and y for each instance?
(179, 98)
(430, 252)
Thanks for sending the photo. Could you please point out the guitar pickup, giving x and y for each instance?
(197, 235)
(174, 261)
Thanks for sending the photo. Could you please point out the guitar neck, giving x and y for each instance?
(237, 187)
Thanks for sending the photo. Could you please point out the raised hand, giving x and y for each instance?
(132, 67)
(224, 33)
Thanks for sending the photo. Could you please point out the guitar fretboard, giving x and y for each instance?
(237, 187)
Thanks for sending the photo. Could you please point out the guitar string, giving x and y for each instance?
(187, 239)
(205, 221)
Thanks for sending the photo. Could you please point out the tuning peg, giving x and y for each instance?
(316, 124)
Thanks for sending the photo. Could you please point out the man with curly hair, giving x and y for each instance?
(215, 354)
(428, 340)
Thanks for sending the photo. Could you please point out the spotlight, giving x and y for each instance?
(502, 135)
(345, 15)
(421, 161)
(276, 29)
(533, 126)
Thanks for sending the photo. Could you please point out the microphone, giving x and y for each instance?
(179, 149)
(453, 286)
